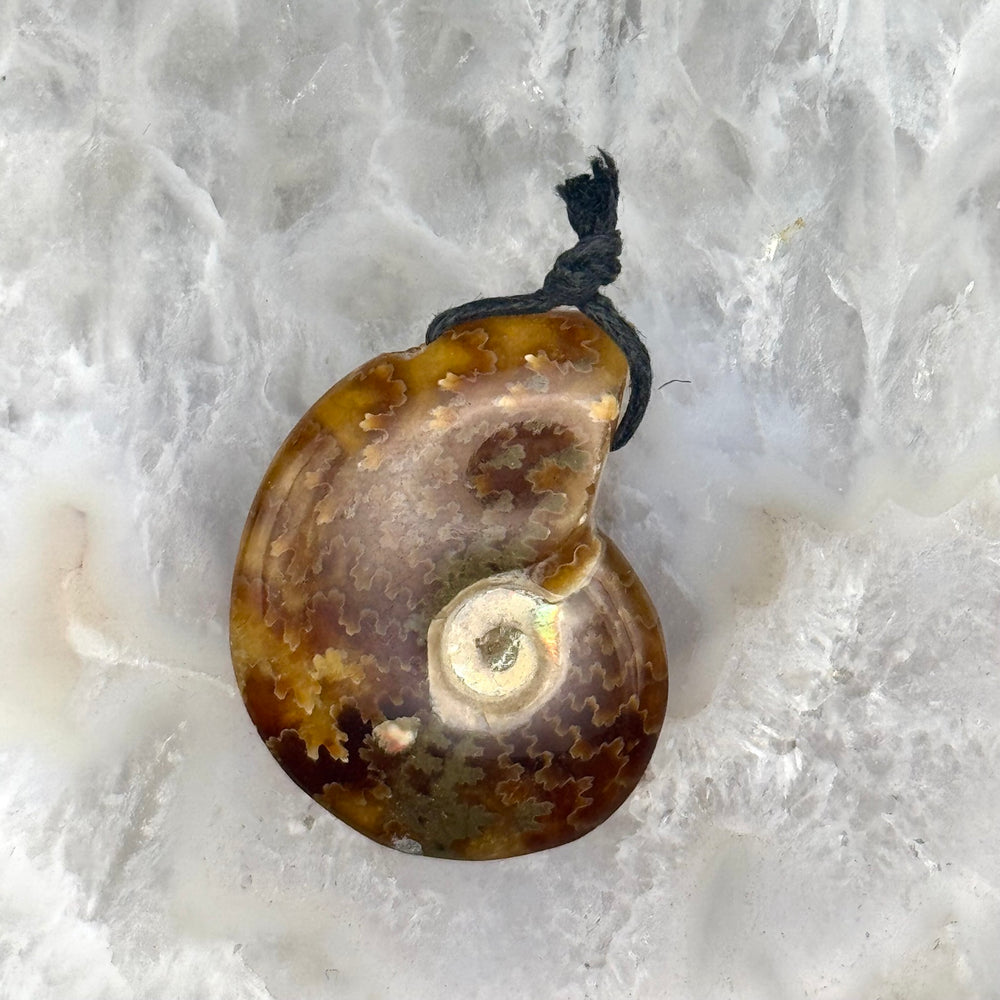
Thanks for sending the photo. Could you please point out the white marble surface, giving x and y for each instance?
(210, 210)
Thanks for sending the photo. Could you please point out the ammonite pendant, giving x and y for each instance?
(429, 634)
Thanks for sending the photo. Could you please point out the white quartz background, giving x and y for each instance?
(211, 210)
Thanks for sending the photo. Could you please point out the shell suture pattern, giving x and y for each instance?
(412, 480)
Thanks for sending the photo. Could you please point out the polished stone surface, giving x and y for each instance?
(428, 633)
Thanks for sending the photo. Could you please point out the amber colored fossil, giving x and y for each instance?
(428, 632)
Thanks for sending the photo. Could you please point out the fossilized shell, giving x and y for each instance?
(428, 632)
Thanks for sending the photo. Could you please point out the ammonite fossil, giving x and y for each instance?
(428, 632)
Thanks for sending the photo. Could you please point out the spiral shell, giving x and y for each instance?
(428, 633)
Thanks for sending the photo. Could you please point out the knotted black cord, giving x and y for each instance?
(575, 280)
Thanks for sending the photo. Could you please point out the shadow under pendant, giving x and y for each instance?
(427, 630)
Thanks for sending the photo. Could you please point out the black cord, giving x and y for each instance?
(575, 279)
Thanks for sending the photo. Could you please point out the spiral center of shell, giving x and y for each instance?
(494, 653)
(500, 647)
